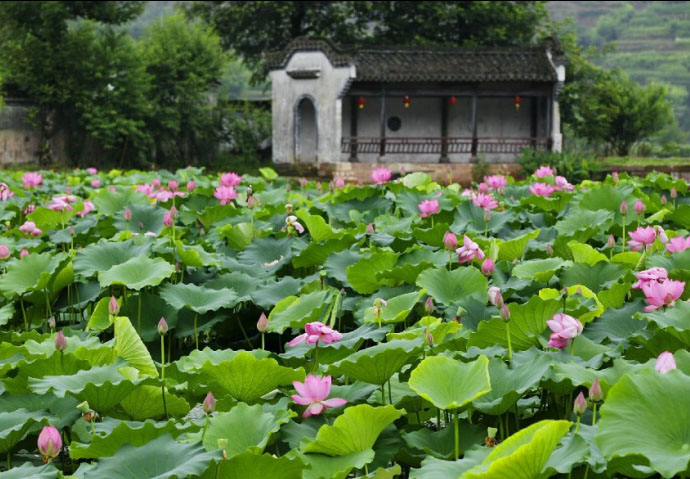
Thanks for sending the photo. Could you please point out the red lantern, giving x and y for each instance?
(453, 100)
(361, 102)
(518, 101)
(406, 101)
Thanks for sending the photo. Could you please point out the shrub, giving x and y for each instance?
(574, 166)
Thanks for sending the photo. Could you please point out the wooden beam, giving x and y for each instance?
(444, 130)
(474, 126)
(354, 112)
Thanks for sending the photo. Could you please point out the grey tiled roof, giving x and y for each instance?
(434, 64)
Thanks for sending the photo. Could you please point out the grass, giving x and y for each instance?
(645, 161)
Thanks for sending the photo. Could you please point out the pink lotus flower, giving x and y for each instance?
(496, 182)
(225, 194)
(32, 180)
(230, 179)
(642, 237)
(468, 251)
(23, 253)
(638, 207)
(29, 209)
(291, 222)
(483, 187)
(191, 185)
(615, 177)
(678, 244)
(542, 189)
(381, 175)
(4, 252)
(450, 241)
(92, 171)
(495, 297)
(661, 234)
(485, 201)
(428, 208)
(563, 185)
(488, 267)
(660, 294)
(88, 208)
(162, 195)
(145, 188)
(209, 404)
(96, 183)
(665, 363)
(167, 219)
(60, 341)
(543, 171)
(651, 275)
(313, 393)
(564, 328)
(173, 185)
(317, 332)
(5, 192)
(49, 443)
(338, 182)
(28, 227)
(62, 203)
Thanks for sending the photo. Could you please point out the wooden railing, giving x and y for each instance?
(441, 146)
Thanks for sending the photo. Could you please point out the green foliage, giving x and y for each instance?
(574, 166)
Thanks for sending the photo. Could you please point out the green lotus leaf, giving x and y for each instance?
(416, 179)
(137, 273)
(644, 415)
(247, 428)
(111, 434)
(471, 218)
(104, 255)
(268, 254)
(362, 274)
(677, 265)
(103, 387)
(242, 284)
(195, 359)
(451, 384)
(681, 215)
(146, 402)
(577, 304)
(46, 218)
(583, 224)
(614, 297)
(523, 455)
(541, 270)
(31, 273)
(527, 322)
(6, 313)
(584, 253)
(194, 255)
(247, 378)
(129, 346)
(17, 424)
(27, 470)
(111, 203)
(337, 263)
(576, 449)
(616, 324)
(239, 235)
(316, 254)
(197, 298)
(456, 286)
(42, 367)
(173, 460)
(145, 218)
(335, 467)
(318, 229)
(433, 468)
(356, 430)
(604, 197)
(441, 444)
(376, 365)
(396, 311)
(273, 291)
(674, 320)
(248, 465)
(515, 248)
(597, 278)
(295, 312)
(100, 318)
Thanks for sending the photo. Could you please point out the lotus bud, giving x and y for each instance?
(450, 241)
(639, 207)
(156, 183)
(60, 341)
(505, 313)
(428, 338)
(191, 185)
(262, 323)
(488, 267)
(611, 242)
(549, 249)
(663, 199)
(288, 208)
(173, 185)
(371, 229)
(173, 212)
(162, 326)
(615, 176)
(167, 219)
(23, 253)
(49, 443)
(595, 392)
(209, 403)
(495, 296)
(624, 208)
(674, 193)
(580, 404)
(319, 188)
(251, 202)
(662, 234)
(665, 362)
(303, 182)
(71, 230)
(113, 306)
(4, 252)
(429, 305)
(51, 323)
(128, 214)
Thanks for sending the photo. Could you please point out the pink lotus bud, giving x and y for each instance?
(209, 403)
(49, 443)
(615, 176)
(191, 185)
(23, 253)
(262, 323)
(428, 338)
(60, 341)
(495, 297)
(611, 242)
(96, 183)
(674, 193)
(549, 249)
(251, 202)
(303, 182)
(663, 199)
(665, 362)
(112, 189)
(488, 267)
(4, 251)
(624, 207)
(162, 326)
(639, 207)
(92, 170)
(595, 392)
(580, 404)
(167, 219)
(156, 183)
(113, 306)
(173, 185)
(51, 323)
(128, 214)
(371, 229)
(450, 241)
(505, 313)
(429, 305)
(173, 212)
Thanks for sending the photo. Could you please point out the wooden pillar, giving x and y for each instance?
(354, 112)
(444, 130)
(534, 119)
(475, 142)
(382, 147)
(549, 126)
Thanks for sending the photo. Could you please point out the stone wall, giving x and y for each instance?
(19, 137)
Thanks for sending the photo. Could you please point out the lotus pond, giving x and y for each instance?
(179, 325)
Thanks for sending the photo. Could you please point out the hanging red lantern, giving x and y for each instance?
(453, 100)
(517, 101)
(406, 101)
(361, 102)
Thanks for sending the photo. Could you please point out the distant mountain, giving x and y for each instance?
(651, 40)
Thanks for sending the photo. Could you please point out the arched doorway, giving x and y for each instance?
(306, 133)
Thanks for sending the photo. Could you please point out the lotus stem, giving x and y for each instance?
(162, 357)
(50, 313)
(196, 333)
(623, 234)
(203, 434)
(244, 333)
(9, 460)
(438, 419)
(139, 314)
(594, 414)
(450, 260)
(316, 361)
(577, 425)
(26, 322)
(390, 394)
(457, 436)
(510, 346)
(263, 342)
(165, 406)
